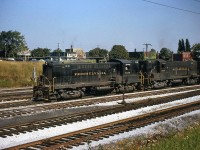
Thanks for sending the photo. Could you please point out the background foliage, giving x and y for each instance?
(165, 54)
(118, 52)
(98, 52)
(12, 42)
(40, 52)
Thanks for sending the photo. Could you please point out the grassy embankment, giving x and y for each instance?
(17, 74)
(188, 139)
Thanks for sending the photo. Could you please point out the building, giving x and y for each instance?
(136, 55)
(71, 56)
(24, 54)
(142, 55)
(184, 56)
(76, 53)
(150, 55)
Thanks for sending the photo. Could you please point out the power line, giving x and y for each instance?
(173, 7)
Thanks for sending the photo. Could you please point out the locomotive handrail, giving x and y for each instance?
(53, 86)
(149, 80)
(49, 83)
(141, 76)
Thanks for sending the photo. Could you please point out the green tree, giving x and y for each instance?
(40, 52)
(165, 54)
(183, 45)
(98, 52)
(153, 50)
(196, 51)
(118, 52)
(12, 42)
(187, 46)
(180, 48)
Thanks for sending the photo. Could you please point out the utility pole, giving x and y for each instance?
(147, 48)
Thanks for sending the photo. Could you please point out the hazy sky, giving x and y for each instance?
(90, 23)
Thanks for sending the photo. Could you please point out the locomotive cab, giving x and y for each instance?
(128, 78)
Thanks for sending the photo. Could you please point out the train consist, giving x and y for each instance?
(61, 80)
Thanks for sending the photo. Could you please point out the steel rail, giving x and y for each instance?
(86, 114)
(13, 112)
(102, 131)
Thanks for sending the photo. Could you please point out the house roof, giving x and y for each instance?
(24, 53)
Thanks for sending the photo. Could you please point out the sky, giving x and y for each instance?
(89, 24)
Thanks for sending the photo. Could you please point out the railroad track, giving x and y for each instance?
(15, 94)
(25, 100)
(18, 103)
(37, 108)
(88, 114)
(11, 90)
(109, 129)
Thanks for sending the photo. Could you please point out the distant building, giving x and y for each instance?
(75, 52)
(24, 54)
(136, 55)
(150, 55)
(142, 55)
(57, 54)
(72, 56)
(2, 53)
(184, 56)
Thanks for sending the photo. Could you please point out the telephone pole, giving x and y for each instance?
(147, 48)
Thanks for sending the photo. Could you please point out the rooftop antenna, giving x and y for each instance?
(71, 50)
(58, 50)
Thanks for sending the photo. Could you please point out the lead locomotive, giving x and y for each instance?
(61, 80)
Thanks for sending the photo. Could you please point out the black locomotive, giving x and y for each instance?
(62, 80)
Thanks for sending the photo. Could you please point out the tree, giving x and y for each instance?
(180, 48)
(40, 52)
(118, 52)
(183, 45)
(196, 51)
(12, 42)
(165, 54)
(187, 46)
(153, 50)
(97, 52)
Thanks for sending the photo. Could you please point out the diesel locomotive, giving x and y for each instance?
(61, 80)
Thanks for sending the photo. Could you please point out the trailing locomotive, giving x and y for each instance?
(160, 73)
(62, 80)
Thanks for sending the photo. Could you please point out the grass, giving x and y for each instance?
(17, 74)
(187, 139)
